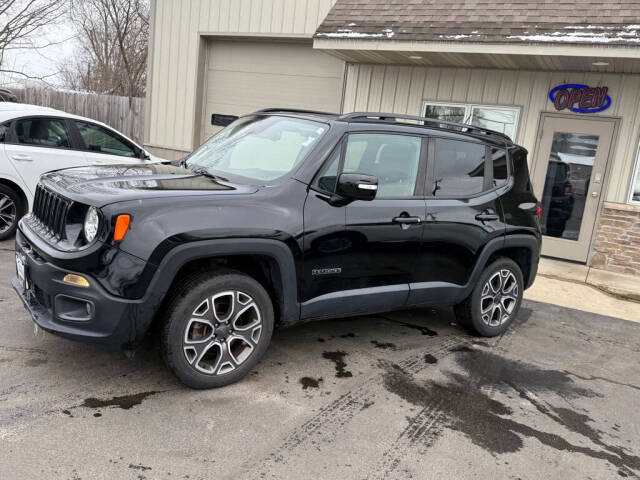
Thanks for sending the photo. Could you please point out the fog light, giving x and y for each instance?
(70, 309)
(77, 280)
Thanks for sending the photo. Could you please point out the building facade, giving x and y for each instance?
(566, 89)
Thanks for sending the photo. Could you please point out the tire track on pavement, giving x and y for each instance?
(322, 428)
(425, 427)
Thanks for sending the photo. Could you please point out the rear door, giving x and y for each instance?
(103, 146)
(36, 145)
(463, 211)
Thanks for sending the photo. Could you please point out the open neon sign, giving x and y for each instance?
(580, 98)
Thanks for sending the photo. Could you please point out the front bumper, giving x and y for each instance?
(88, 314)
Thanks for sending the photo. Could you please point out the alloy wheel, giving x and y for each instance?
(222, 333)
(499, 298)
(8, 213)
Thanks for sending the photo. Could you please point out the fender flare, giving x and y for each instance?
(179, 256)
(530, 242)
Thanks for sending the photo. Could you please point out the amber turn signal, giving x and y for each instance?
(77, 280)
(122, 225)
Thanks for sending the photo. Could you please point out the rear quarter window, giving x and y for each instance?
(500, 167)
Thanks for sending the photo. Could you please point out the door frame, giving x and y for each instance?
(533, 164)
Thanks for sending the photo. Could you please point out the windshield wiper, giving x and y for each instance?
(204, 171)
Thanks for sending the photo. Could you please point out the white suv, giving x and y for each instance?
(35, 140)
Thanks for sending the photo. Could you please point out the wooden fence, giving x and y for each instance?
(124, 114)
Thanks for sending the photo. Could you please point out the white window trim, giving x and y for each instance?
(469, 107)
(636, 172)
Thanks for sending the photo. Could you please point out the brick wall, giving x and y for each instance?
(617, 247)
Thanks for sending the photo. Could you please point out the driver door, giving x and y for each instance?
(37, 145)
(360, 257)
(389, 228)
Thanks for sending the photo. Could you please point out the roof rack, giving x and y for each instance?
(385, 117)
(294, 110)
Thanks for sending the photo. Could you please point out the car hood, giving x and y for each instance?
(102, 185)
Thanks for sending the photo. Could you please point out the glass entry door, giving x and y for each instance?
(568, 177)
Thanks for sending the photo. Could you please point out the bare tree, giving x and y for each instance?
(22, 23)
(113, 38)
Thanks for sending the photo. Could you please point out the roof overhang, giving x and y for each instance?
(530, 56)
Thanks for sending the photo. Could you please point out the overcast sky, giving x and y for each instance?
(45, 61)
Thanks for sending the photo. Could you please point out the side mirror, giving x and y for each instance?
(357, 186)
(144, 155)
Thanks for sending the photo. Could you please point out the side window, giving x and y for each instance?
(458, 168)
(3, 132)
(43, 132)
(394, 159)
(101, 140)
(500, 169)
(328, 175)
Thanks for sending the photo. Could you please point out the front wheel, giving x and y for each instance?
(216, 328)
(495, 300)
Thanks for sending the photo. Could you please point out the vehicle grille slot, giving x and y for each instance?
(50, 210)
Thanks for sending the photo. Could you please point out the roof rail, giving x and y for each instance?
(426, 120)
(293, 110)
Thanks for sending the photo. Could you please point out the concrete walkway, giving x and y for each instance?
(617, 284)
(582, 288)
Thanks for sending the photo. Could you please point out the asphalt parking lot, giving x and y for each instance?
(402, 395)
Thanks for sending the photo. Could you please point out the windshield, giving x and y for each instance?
(261, 148)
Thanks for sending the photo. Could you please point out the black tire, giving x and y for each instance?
(8, 228)
(480, 312)
(186, 353)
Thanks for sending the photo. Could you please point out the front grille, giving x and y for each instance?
(51, 211)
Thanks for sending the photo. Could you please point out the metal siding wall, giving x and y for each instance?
(403, 89)
(242, 77)
(177, 27)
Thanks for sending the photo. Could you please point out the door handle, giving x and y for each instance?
(21, 157)
(487, 216)
(407, 220)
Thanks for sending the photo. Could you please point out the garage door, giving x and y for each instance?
(243, 77)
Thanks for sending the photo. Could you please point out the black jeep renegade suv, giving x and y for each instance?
(284, 216)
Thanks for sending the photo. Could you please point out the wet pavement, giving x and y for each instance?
(401, 395)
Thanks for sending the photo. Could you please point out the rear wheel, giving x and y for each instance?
(216, 328)
(495, 300)
(11, 211)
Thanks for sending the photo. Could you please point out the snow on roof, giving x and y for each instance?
(348, 33)
(545, 21)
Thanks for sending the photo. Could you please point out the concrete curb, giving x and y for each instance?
(625, 287)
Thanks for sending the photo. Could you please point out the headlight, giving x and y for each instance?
(91, 224)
